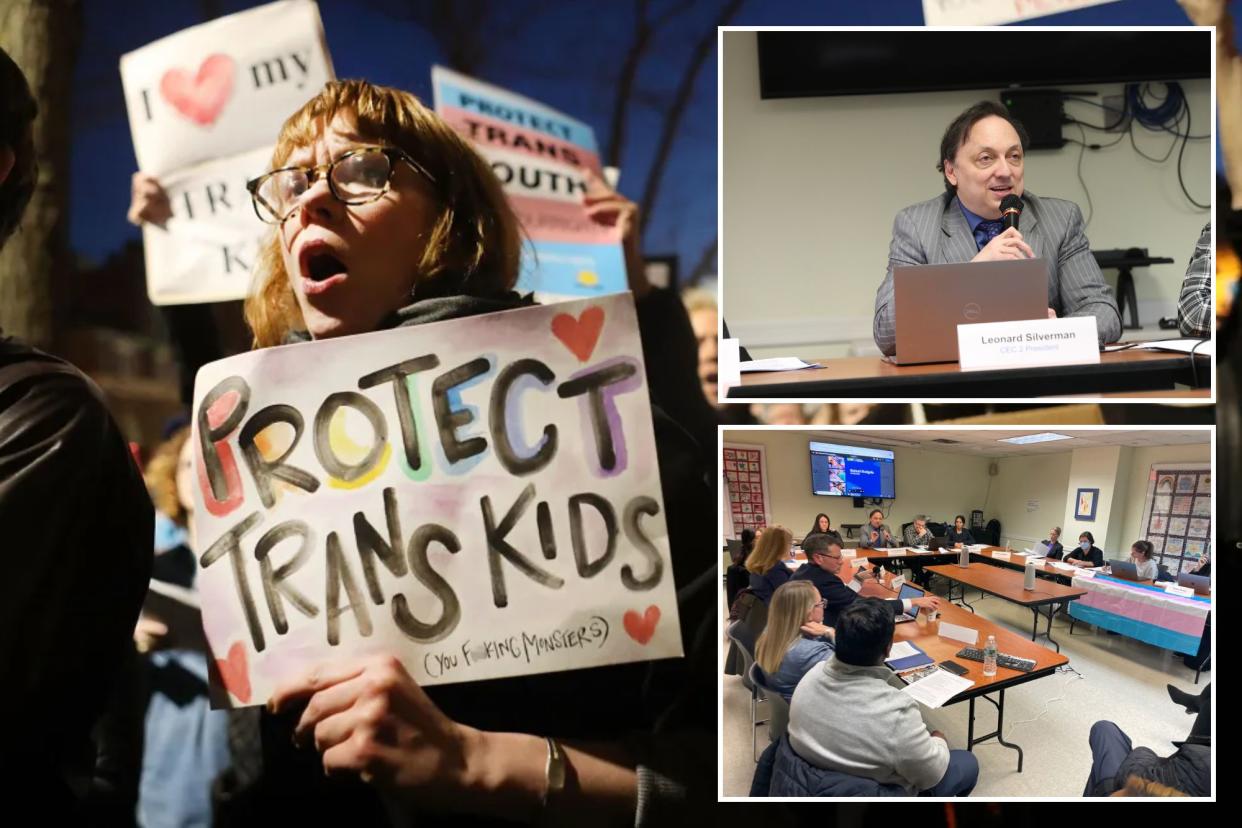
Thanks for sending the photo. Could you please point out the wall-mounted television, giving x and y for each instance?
(851, 471)
(813, 64)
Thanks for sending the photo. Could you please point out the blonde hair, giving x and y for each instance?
(787, 612)
(697, 299)
(1137, 786)
(475, 242)
(771, 547)
(161, 476)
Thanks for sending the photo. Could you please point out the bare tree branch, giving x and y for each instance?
(644, 30)
(672, 121)
(706, 265)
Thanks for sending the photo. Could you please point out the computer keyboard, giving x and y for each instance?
(1002, 660)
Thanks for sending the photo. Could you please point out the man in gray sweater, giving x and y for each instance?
(849, 715)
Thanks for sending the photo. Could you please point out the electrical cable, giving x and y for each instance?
(1159, 115)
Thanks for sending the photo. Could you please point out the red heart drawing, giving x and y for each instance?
(579, 335)
(202, 97)
(642, 627)
(234, 674)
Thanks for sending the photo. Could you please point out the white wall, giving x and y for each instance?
(1092, 468)
(1039, 480)
(810, 187)
(930, 482)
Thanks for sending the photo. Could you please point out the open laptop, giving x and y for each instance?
(908, 591)
(930, 301)
(938, 543)
(1125, 570)
(1201, 584)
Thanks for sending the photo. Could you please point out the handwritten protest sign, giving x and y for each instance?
(205, 106)
(479, 497)
(995, 12)
(540, 156)
(205, 252)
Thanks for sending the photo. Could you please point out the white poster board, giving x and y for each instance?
(479, 497)
(995, 12)
(205, 106)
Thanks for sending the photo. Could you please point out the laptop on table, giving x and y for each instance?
(930, 301)
(908, 591)
(1125, 570)
(1201, 584)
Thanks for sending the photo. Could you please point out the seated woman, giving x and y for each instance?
(1087, 555)
(767, 563)
(823, 526)
(1055, 550)
(1204, 567)
(1141, 552)
(795, 639)
(959, 533)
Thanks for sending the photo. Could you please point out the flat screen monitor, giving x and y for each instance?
(852, 471)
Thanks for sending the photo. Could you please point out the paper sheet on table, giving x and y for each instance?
(1181, 346)
(938, 688)
(1064, 566)
(776, 364)
(902, 649)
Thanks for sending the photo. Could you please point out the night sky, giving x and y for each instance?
(565, 54)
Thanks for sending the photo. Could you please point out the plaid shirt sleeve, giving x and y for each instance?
(1194, 305)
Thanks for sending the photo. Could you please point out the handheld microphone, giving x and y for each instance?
(1011, 209)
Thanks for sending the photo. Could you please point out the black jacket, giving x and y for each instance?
(1094, 555)
(1189, 770)
(834, 591)
(78, 527)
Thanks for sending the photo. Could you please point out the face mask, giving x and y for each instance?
(1085, 546)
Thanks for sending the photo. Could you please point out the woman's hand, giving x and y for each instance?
(607, 207)
(1205, 12)
(148, 201)
(818, 630)
(368, 717)
(150, 634)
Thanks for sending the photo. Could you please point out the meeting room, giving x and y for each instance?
(953, 214)
(985, 612)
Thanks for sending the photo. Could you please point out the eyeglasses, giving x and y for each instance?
(819, 605)
(360, 176)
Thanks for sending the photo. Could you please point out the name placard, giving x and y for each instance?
(1003, 555)
(1028, 343)
(1085, 573)
(1176, 589)
(966, 635)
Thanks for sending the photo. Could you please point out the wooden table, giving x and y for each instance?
(872, 377)
(926, 636)
(1007, 584)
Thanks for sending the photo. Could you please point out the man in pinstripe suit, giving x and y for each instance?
(982, 155)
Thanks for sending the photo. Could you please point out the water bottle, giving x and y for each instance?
(1028, 579)
(989, 657)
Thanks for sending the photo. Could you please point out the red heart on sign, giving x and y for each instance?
(201, 97)
(642, 627)
(579, 335)
(234, 674)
